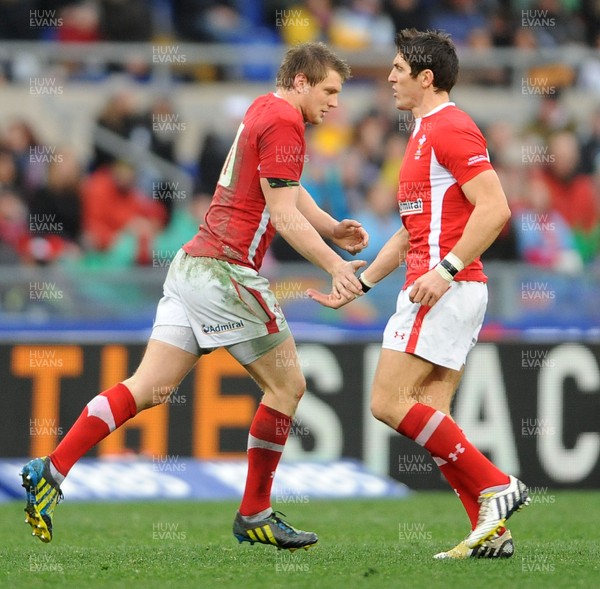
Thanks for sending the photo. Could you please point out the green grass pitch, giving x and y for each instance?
(363, 543)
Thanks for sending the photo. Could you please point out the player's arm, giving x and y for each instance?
(489, 216)
(487, 219)
(295, 228)
(390, 256)
(347, 234)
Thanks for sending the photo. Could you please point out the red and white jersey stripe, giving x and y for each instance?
(269, 144)
(445, 150)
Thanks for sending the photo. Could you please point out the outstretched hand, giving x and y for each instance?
(345, 286)
(327, 300)
(350, 236)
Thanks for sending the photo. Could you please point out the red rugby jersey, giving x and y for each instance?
(269, 144)
(445, 150)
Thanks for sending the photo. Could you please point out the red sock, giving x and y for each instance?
(103, 414)
(446, 442)
(268, 434)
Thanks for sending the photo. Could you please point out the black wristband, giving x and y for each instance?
(365, 288)
(448, 266)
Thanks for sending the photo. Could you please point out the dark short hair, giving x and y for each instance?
(314, 60)
(429, 50)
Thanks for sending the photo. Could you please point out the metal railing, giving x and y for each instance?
(165, 59)
(522, 298)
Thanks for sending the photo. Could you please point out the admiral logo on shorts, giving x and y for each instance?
(410, 207)
(221, 327)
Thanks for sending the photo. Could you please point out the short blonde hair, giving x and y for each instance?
(314, 60)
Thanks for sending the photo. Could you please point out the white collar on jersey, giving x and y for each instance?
(438, 109)
(431, 112)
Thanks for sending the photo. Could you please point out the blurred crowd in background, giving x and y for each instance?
(105, 212)
(351, 24)
(348, 24)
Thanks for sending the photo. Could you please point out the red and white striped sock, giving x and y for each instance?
(268, 434)
(102, 415)
(471, 472)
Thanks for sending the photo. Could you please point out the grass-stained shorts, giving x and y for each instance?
(209, 303)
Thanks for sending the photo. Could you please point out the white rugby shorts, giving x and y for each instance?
(443, 334)
(209, 303)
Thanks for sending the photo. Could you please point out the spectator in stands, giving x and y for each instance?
(543, 236)
(391, 122)
(480, 41)
(55, 212)
(125, 20)
(217, 142)
(361, 24)
(323, 180)
(80, 23)
(189, 18)
(408, 14)
(306, 21)
(22, 141)
(213, 153)
(590, 14)
(524, 38)
(395, 146)
(9, 179)
(184, 222)
(164, 126)
(590, 150)
(332, 137)
(552, 23)
(506, 154)
(210, 21)
(13, 226)
(158, 131)
(121, 116)
(356, 175)
(589, 69)
(379, 217)
(369, 139)
(14, 20)
(572, 194)
(361, 162)
(552, 116)
(501, 26)
(459, 18)
(112, 204)
(128, 21)
(503, 145)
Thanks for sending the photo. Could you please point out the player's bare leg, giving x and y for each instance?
(283, 385)
(162, 368)
(404, 390)
(439, 388)
(397, 385)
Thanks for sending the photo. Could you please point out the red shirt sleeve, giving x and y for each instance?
(462, 149)
(281, 150)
